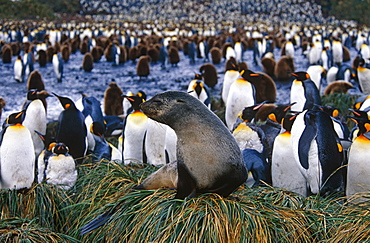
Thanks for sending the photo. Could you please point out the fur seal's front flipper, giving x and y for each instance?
(186, 185)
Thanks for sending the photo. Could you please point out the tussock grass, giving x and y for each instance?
(25, 230)
(260, 214)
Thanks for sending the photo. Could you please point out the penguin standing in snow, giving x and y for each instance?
(27, 63)
(135, 127)
(17, 154)
(285, 172)
(317, 151)
(71, 129)
(58, 66)
(19, 70)
(304, 92)
(363, 74)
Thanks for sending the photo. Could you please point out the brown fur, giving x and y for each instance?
(42, 58)
(338, 87)
(209, 74)
(7, 54)
(268, 64)
(242, 66)
(35, 81)
(66, 52)
(42, 95)
(216, 55)
(283, 67)
(132, 54)
(113, 100)
(97, 53)
(346, 54)
(153, 52)
(49, 54)
(142, 66)
(88, 62)
(75, 44)
(16, 49)
(173, 55)
(84, 47)
(57, 47)
(2, 105)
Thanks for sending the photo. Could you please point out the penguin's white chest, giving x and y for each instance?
(285, 172)
(17, 156)
(358, 179)
(297, 95)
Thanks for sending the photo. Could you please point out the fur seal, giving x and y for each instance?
(208, 157)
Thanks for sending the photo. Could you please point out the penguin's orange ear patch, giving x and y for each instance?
(67, 106)
(340, 148)
(367, 127)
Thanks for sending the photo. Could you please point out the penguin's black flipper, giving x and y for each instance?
(97, 222)
(309, 133)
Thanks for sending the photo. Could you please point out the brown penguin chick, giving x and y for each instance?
(75, 44)
(97, 53)
(123, 54)
(88, 62)
(142, 50)
(84, 47)
(57, 46)
(264, 85)
(346, 54)
(209, 74)
(2, 105)
(113, 100)
(35, 81)
(283, 68)
(133, 53)
(268, 65)
(338, 87)
(216, 55)
(7, 53)
(16, 49)
(49, 54)
(66, 52)
(153, 52)
(42, 60)
(142, 66)
(173, 56)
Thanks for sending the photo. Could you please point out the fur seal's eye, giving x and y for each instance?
(157, 102)
(180, 101)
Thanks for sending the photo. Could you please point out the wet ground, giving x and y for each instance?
(77, 81)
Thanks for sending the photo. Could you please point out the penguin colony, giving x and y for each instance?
(300, 123)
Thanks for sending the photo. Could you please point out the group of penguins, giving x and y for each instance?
(301, 146)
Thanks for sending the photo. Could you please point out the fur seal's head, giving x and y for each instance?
(171, 107)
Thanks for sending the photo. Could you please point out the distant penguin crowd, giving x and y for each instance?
(301, 145)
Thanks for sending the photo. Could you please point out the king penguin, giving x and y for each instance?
(231, 75)
(135, 127)
(18, 70)
(199, 90)
(35, 119)
(304, 92)
(58, 66)
(72, 129)
(317, 151)
(358, 181)
(17, 154)
(285, 172)
(241, 94)
(363, 74)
